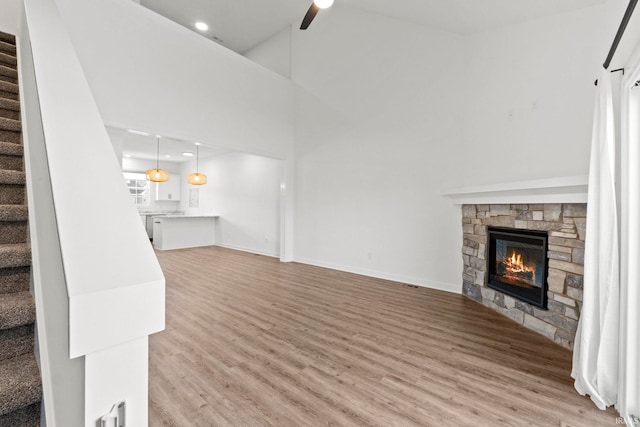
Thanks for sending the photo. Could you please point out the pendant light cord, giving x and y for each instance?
(197, 159)
(158, 153)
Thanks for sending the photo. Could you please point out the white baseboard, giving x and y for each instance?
(250, 250)
(431, 284)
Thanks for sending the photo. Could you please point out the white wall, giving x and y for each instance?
(529, 97)
(9, 16)
(245, 191)
(274, 54)
(151, 74)
(378, 130)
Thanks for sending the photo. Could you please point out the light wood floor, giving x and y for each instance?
(251, 341)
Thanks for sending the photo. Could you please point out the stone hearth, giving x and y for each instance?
(566, 225)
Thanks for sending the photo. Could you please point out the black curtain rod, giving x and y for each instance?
(621, 29)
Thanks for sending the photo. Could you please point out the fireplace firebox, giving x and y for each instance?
(517, 264)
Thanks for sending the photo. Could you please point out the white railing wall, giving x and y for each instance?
(98, 286)
(47, 273)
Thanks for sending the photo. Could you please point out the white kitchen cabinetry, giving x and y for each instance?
(169, 190)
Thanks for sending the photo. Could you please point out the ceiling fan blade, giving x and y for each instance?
(311, 13)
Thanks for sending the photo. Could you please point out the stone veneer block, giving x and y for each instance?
(500, 210)
(566, 225)
(564, 300)
(577, 256)
(560, 249)
(469, 211)
(552, 212)
(569, 267)
(574, 281)
(556, 280)
(575, 210)
(581, 227)
(540, 326)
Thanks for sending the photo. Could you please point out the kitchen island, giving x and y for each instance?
(183, 231)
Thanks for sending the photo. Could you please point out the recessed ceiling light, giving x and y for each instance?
(128, 155)
(197, 143)
(167, 155)
(202, 26)
(187, 153)
(323, 4)
(138, 132)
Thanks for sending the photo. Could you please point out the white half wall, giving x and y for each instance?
(151, 74)
(245, 191)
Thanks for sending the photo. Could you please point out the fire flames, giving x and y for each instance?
(516, 265)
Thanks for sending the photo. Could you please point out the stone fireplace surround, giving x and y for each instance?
(566, 225)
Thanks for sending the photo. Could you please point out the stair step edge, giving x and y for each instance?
(14, 213)
(22, 384)
(9, 104)
(16, 341)
(10, 124)
(8, 38)
(13, 255)
(9, 177)
(11, 149)
(16, 309)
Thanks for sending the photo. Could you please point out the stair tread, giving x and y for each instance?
(16, 341)
(15, 279)
(8, 38)
(11, 149)
(15, 255)
(8, 71)
(8, 60)
(12, 177)
(16, 309)
(10, 124)
(8, 86)
(14, 213)
(8, 48)
(27, 416)
(21, 385)
(9, 104)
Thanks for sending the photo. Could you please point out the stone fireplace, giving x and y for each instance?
(517, 264)
(550, 247)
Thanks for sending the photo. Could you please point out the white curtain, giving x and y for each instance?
(629, 370)
(595, 357)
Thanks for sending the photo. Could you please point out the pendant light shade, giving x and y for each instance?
(197, 178)
(157, 174)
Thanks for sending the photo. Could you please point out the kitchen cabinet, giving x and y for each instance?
(169, 190)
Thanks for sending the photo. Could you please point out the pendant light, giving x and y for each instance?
(197, 178)
(157, 174)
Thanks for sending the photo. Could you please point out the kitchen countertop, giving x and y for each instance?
(187, 216)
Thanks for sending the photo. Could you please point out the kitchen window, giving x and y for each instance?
(138, 188)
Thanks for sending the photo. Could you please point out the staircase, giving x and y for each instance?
(20, 384)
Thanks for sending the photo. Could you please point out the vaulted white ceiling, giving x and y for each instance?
(243, 24)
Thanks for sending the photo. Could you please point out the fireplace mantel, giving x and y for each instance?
(568, 189)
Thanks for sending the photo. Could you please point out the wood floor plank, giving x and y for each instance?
(251, 341)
